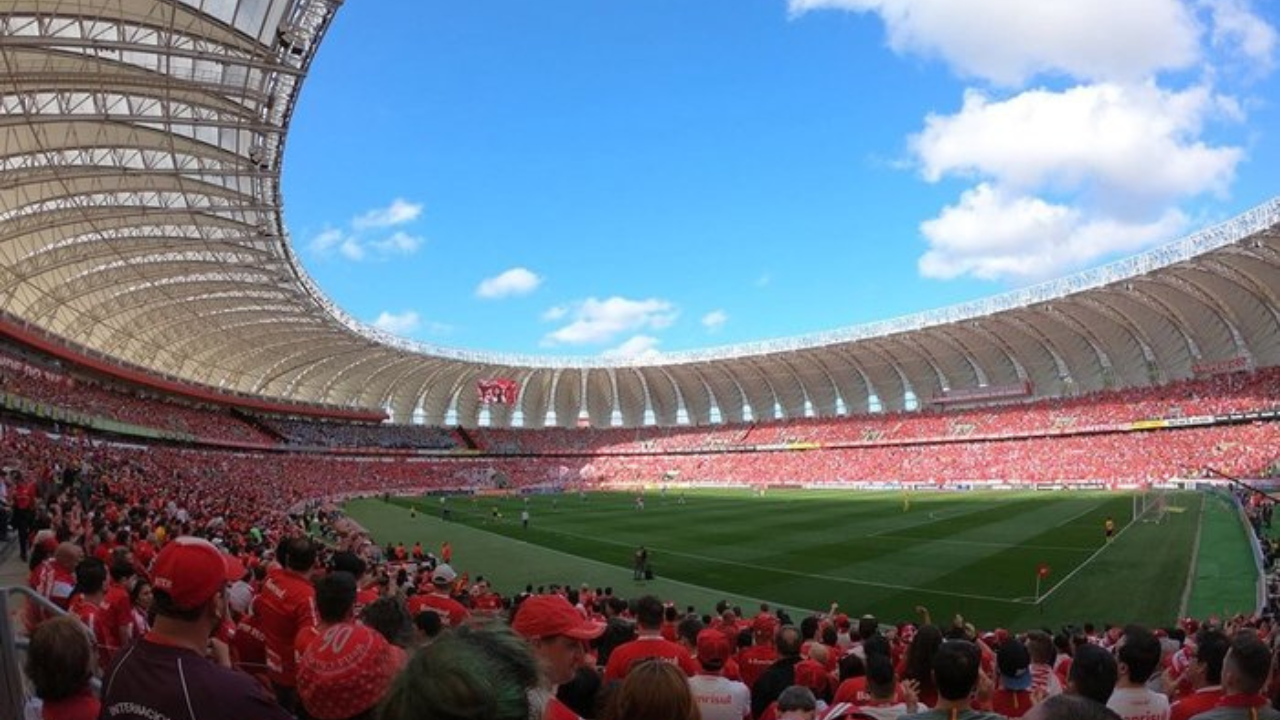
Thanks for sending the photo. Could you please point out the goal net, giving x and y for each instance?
(1151, 505)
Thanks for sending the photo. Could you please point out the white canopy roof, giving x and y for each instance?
(140, 219)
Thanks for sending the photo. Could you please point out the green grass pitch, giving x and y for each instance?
(973, 553)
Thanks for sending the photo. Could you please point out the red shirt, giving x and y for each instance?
(117, 616)
(753, 661)
(90, 614)
(81, 706)
(443, 605)
(143, 553)
(249, 648)
(488, 602)
(647, 646)
(1062, 668)
(286, 607)
(729, 671)
(1201, 700)
(52, 582)
(1011, 703)
(556, 710)
(24, 496)
(364, 598)
(853, 690)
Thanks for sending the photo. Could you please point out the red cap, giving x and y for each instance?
(191, 570)
(542, 616)
(842, 621)
(713, 647)
(346, 671)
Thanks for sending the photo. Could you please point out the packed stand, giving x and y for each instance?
(315, 433)
(1111, 410)
(52, 386)
(185, 599)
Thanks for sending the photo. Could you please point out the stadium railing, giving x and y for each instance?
(15, 692)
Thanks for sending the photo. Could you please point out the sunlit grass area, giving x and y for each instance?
(974, 553)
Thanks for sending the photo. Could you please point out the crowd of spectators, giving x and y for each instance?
(1217, 395)
(198, 580)
(52, 386)
(317, 433)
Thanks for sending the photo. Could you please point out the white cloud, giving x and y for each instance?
(599, 321)
(1062, 178)
(516, 281)
(714, 320)
(353, 243)
(351, 248)
(1104, 139)
(994, 235)
(1118, 158)
(399, 243)
(1008, 41)
(398, 323)
(639, 347)
(327, 241)
(1238, 30)
(399, 212)
(553, 314)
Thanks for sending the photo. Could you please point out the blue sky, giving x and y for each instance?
(637, 176)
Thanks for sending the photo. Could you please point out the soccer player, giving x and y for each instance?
(1109, 528)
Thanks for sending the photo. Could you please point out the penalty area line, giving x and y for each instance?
(1086, 562)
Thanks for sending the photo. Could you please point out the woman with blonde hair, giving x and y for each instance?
(653, 690)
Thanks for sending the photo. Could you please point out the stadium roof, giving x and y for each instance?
(140, 219)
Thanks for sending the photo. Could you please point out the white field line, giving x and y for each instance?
(1087, 560)
(980, 543)
(1193, 566)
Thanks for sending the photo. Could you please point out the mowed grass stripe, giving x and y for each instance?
(963, 569)
(846, 559)
(976, 555)
(818, 537)
(735, 542)
(511, 564)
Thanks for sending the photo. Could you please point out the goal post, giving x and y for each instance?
(1151, 505)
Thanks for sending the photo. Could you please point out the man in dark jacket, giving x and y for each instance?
(781, 674)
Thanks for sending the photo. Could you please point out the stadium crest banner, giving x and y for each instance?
(497, 391)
